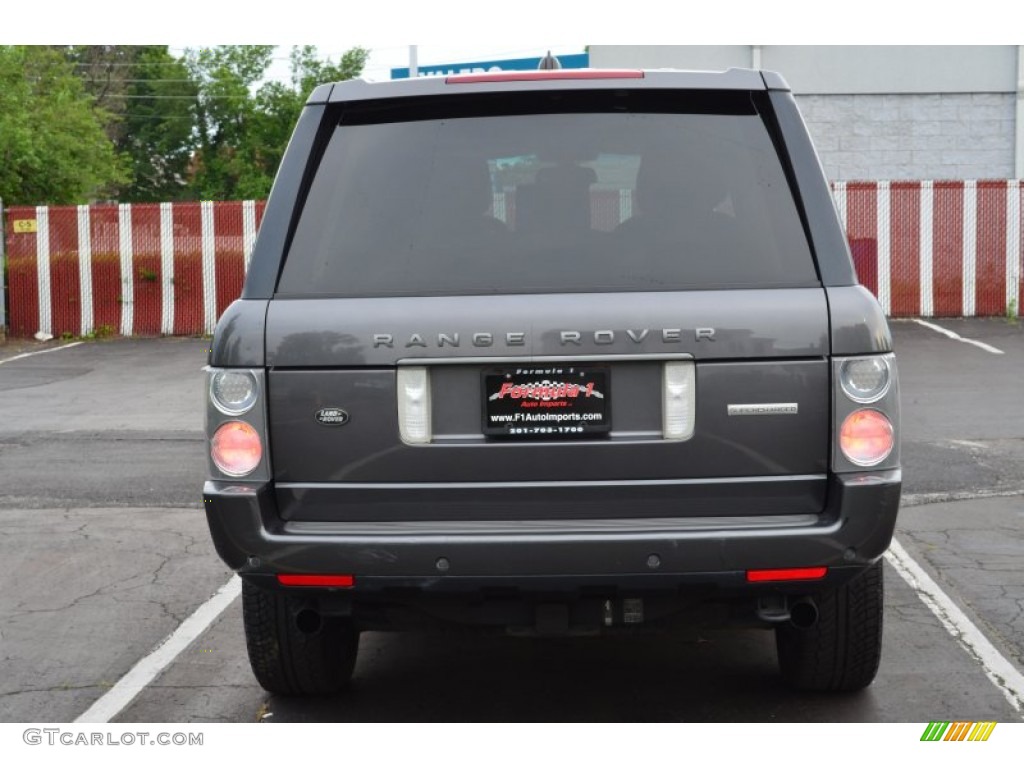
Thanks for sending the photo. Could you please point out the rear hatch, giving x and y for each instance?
(546, 264)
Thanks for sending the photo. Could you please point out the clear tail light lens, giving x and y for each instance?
(865, 379)
(233, 392)
(679, 402)
(414, 405)
(867, 437)
(236, 448)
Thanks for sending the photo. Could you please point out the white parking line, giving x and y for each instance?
(957, 336)
(145, 671)
(918, 499)
(40, 352)
(1004, 676)
(970, 444)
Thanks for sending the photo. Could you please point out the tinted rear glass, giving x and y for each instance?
(575, 196)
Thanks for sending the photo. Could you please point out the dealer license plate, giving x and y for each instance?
(547, 401)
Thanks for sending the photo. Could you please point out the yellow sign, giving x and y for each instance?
(25, 226)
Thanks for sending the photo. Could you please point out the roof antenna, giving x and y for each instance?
(549, 62)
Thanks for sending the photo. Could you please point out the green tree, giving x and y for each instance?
(243, 126)
(52, 145)
(228, 163)
(151, 99)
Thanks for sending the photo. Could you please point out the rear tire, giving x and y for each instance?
(841, 652)
(287, 660)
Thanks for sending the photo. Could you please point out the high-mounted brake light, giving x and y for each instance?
(788, 574)
(547, 74)
(315, 580)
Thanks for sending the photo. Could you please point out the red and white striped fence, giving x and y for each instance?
(936, 248)
(145, 269)
(925, 248)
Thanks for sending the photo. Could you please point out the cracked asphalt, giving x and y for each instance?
(104, 551)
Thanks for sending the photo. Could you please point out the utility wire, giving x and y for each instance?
(140, 80)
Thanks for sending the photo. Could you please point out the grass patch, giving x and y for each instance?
(101, 332)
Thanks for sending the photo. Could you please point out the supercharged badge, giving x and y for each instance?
(763, 409)
(332, 417)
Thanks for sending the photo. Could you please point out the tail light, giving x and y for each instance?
(866, 437)
(236, 448)
(865, 379)
(866, 413)
(233, 392)
(236, 423)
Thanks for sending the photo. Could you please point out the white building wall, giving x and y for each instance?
(881, 112)
(894, 68)
(913, 136)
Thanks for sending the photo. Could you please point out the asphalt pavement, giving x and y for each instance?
(104, 551)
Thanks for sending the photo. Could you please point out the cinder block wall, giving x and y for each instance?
(912, 136)
(881, 112)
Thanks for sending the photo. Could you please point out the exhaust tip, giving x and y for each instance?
(803, 614)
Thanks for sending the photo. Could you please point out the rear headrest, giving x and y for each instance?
(558, 200)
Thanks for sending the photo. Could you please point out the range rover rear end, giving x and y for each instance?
(555, 352)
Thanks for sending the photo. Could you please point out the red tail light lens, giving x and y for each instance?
(866, 437)
(236, 448)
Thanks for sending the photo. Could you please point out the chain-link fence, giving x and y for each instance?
(936, 248)
(925, 248)
(145, 269)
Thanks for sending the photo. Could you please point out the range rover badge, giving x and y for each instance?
(332, 417)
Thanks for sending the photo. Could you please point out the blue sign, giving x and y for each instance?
(569, 61)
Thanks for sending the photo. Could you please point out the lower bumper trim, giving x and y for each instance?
(854, 530)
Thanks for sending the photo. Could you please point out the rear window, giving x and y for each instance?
(554, 194)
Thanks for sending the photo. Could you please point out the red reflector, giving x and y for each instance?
(548, 74)
(787, 574)
(315, 580)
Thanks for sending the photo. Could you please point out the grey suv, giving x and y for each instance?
(553, 352)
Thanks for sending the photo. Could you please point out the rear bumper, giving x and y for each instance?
(853, 531)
